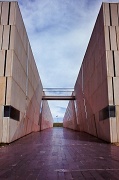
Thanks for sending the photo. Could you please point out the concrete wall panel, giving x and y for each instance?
(1, 122)
(2, 61)
(113, 38)
(5, 130)
(9, 62)
(2, 90)
(114, 14)
(69, 120)
(1, 36)
(107, 39)
(116, 90)
(12, 17)
(19, 23)
(20, 85)
(110, 91)
(109, 60)
(106, 12)
(117, 125)
(117, 36)
(6, 33)
(116, 61)
(97, 85)
(46, 116)
(12, 130)
(18, 73)
(5, 11)
(113, 129)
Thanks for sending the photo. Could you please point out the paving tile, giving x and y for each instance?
(59, 153)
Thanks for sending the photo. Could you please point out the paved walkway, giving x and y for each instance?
(59, 153)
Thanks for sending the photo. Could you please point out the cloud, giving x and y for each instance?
(58, 34)
(58, 109)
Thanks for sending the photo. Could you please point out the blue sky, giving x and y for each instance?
(59, 32)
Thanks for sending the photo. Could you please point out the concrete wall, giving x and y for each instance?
(97, 85)
(20, 84)
(69, 120)
(46, 116)
(111, 25)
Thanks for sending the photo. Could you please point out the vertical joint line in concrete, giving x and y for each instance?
(40, 116)
(116, 38)
(109, 37)
(40, 120)
(5, 61)
(8, 13)
(114, 63)
(6, 91)
(85, 108)
(113, 90)
(75, 106)
(110, 14)
(95, 126)
(82, 78)
(27, 73)
(9, 38)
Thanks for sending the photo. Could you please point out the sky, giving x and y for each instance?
(59, 32)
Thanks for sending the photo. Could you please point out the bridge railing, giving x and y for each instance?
(58, 94)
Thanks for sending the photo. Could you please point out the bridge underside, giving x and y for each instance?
(58, 98)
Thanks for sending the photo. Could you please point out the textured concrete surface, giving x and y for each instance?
(58, 153)
(46, 116)
(20, 83)
(97, 85)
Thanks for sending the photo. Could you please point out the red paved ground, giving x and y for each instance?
(59, 153)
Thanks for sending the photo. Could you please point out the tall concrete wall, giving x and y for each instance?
(20, 84)
(69, 120)
(46, 116)
(97, 85)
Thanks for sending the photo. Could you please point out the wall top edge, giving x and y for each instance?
(10, 1)
(110, 2)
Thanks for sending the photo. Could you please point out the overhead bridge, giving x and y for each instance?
(58, 98)
(58, 94)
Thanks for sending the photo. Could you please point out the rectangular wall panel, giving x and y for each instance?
(2, 90)
(116, 59)
(109, 60)
(110, 91)
(114, 14)
(5, 130)
(107, 38)
(1, 36)
(1, 122)
(5, 12)
(46, 120)
(2, 62)
(12, 16)
(116, 90)
(113, 38)
(106, 12)
(6, 33)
